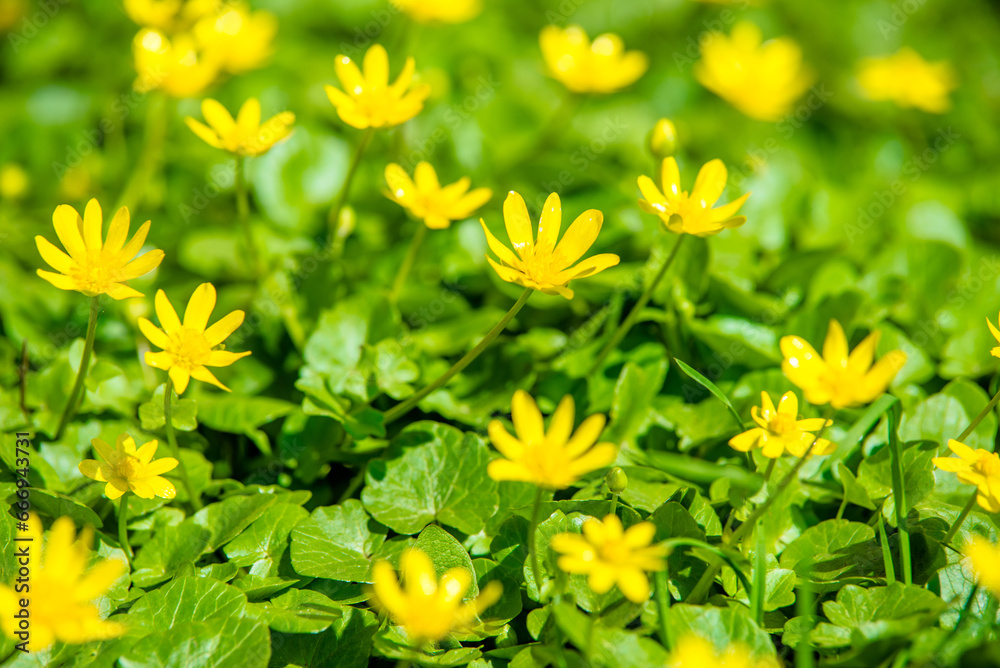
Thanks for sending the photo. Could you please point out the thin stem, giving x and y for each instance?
(123, 530)
(168, 392)
(402, 408)
(769, 470)
(661, 588)
(614, 504)
(805, 608)
(154, 138)
(81, 375)
(890, 569)
(759, 577)
(411, 256)
(970, 504)
(899, 494)
(536, 571)
(346, 190)
(243, 207)
(644, 298)
(979, 418)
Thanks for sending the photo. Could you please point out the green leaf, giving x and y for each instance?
(631, 407)
(298, 611)
(263, 544)
(231, 642)
(711, 387)
(446, 553)
(346, 644)
(187, 599)
(243, 415)
(337, 542)
(170, 550)
(877, 614)
(54, 505)
(226, 519)
(853, 491)
(183, 412)
(720, 626)
(875, 472)
(834, 549)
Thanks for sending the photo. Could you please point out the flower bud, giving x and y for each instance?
(346, 222)
(617, 480)
(662, 139)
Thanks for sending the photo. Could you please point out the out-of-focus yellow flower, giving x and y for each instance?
(239, 39)
(540, 263)
(984, 558)
(94, 267)
(584, 67)
(762, 80)
(178, 67)
(169, 15)
(14, 181)
(61, 589)
(11, 12)
(440, 11)
(609, 555)
(553, 460)
(424, 197)
(780, 429)
(838, 378)
(907, 80)
(369, 100)
(693, 651)
(427, 609)
(189, 348)
(129, 469)
(975, 467)
(245, 135)
(683, 213)
(662, 139)
(995, 351)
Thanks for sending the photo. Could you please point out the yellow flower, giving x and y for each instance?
(693, 651)
(838, 378)
(369, 100)
(975, 467)
(984, 557)
(762, 80)
(662, 140)
(907, 80)
(440, 11)
(239, 39)
(424, 197)
(179, 67)
(14, 181)
(781, 430)
(682, 213)
(609, 555)
(128, 469)
(554, 460)
(190, 347)
(92, 267)
(995, 351)
(245, 135)
(169, 15)
(61, 590)
(540, 263)
(584, 67)
(427, 609)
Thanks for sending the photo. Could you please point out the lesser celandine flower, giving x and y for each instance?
(189, 348)
(440, 11)
(601, 66)
(129, 469)
(554, 459)
(780, 429)
(907, 80)
(693, 651)
(761, 79)
(426, 199)
(838, 378)
(61, 589)
(995, 351)
(540, 263)
(984, 558)
(178, 66)
(427, 609)
(239, 39)
(368, 100)
(683, 213)
(94, 266)
(244, 136)
(975, 467)
(610, 555)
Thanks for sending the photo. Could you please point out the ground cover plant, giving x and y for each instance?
(445, 333)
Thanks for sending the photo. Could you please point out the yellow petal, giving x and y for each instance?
(248, 118)
(99, 579)
(528, 424)
(159, 360)
(598, 457)
(962, 450)
(224, 357)
(386, 586)
(589, 267)
(789, 405)
(506, 444)
(67, 224)
(586, 435)
(142, 265)
(180, 378)
(117, 232)
(401, 187)
(59, 280)
(218, 117)
(160, 466)
(93, 221)
(405, 77)
(634, 584)
(503, 469)
(426, 178)
(454, 583)
(549, 224)
(561, 424)
(746, 441)
(579, 238)
(146, 451)
(135, 244)
(206, 376)
(55, 258)
(121, 291)
(200, 307)
(153, 333)
(376, 66)
(226, 325)
(835, 345)
(92, 469)
(418, 572)
(518, 224)
(160, 486)
(166, 313)
(205, 133)
(506, 256)
(670, 178)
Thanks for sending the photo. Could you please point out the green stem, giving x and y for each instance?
(81, 375)
(123, 530)
(769, 470)
(536, 571)
(644, 298)
(614, 504)
(351, 172)
(890, 569)
(805, 608)
(661, 580)
(154, 138)
(411, 256)
(404, 407)
(243, 207)
(168, 392)
(899, 494)
(979, 418)
(970, 504)
(759, 577)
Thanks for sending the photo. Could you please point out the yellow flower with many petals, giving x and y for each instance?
(169, 15)
(682, 213)
(129, 469)
(693, 651)
(369, 100)
(995, 351)
(975, 467)
(907, 80)
(427, 609)
(984, 559)
(239, 39)
(188, 348)
(440, 11)
(424, 197)
(244, 136)
(94, 267)
(61, 590)
(781, 429)
(178, 67)
(555, 459)
(762, 80)
(541, 264)
(601, 66)
(608, 555)
(838, 378)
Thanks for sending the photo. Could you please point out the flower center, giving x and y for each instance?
(128, 467)
(93, 274)
(539, 267)
(988, 464)
(616, 552)
(781, 424)
(189, 348)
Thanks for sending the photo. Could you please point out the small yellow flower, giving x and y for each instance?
(780, 429)
(540, 263)
(662, 140)
(556, 459)
(427, 609)
(975, 467)
(838, 378)
(683, 213)
(584, 67)
(190, 347)
(61, 590)
(440, 11)
(762, 80)
(424, 197)
(907, 80)
(239, 39)
(369, 100)
(129, 469)
(609, 555)
(14, 181)
(984, 558)
(178, 67)
(995, 351)
(693, 651)
(245, 135)
(169, 15)
(92, 267)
